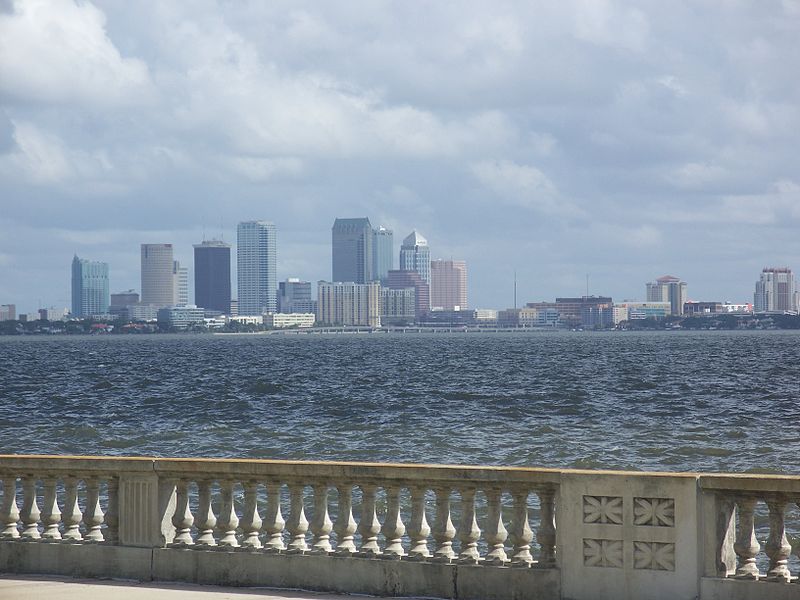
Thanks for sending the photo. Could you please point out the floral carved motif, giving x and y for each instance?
(657, 512)
(602, 553)
(602, 509)
(654, 556)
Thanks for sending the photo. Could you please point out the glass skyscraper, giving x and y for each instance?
(256, 263)
(415, 255)
(212, 276)
(382, 253)
(158, 277)
(89, 287)
(352, 250)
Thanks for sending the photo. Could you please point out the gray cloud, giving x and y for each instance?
(558, 139)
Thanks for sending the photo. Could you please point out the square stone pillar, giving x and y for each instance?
(146, 506)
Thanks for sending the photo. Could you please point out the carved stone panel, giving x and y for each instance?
(606, 510)
(655, 556)
(655, 512)
(603, 553)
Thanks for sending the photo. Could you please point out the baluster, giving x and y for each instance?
(72, 512)
(93, 515)
(369, 526)
(182, 519)
(418, 528)
(9, 513)
(112, 513)
(206, 521)
(546, 535)
(393, 528)
(273, 519)
(30, 510)
(496, 534)
(468, 532)
(297, 525)
(746, 546)
(521, 534)
(251, 520)
(227, 521)
(777, 547)
(51, 515)
(345, 523)
(443, 530)
(321, 524)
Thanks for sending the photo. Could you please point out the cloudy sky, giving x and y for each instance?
(622, 140)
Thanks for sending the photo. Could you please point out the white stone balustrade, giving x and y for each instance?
(422, 530)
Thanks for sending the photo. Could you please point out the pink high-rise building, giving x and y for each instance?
(448, 284)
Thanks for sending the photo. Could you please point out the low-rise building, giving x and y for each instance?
(485, 315)
(247, 319)
(180, 317)
(398, 306)
(633, 311)
(698, 309)
(8, 312)
(283, 320)
(53, 314)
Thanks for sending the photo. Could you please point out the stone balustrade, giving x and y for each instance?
(397, 529)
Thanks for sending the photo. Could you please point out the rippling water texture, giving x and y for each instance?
(719, 401)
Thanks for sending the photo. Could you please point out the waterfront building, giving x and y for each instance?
(590, 312)
(283, 320)
(450, 318)
(8, 312)
(124, 298)
(89, 287)
(349, 303)
(52, 314)
(157, 272)
(633, 311)
(518, 317)
(775, 291)
(382, 253)
(351, 251)
(415, 255)
(398, 306)
(294, 296)
(180, 317)
(212, 275)
(247, 319)
(448, 284)
(180, 284)
(257, 267)
(696, 309)
(135, 312)
(485, 316)
(399, 280)
(668, 289)
(730, 307)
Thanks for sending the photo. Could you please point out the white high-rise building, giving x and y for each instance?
(668, 289)
(415, 255)
(349, 303)
(180, 284)
(158, 281)
(257, 267)
(775, 291)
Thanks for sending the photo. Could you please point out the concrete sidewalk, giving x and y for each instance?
(19, 587)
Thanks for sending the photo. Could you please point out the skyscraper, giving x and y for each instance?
(449, 284)
(256, 264)
(668, 289)
(400, 280)
(180, 284)
(382, 253)
(775, 291)
(352, 250)
(294, 296)
(158, 279)
(212, 275)
(348, 303)
(89, 287)
(415, 255)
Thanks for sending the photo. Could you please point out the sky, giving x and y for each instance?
(622, 141)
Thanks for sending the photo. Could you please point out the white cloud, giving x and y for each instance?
(779, 205)
(58, 52)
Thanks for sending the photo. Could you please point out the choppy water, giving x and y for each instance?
(724, 401)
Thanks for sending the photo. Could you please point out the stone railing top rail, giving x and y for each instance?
(409, 473)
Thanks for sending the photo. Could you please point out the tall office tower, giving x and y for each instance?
(348, 303)
(399, 280)
(668, 289)
(158, 281)
(89, 287)
(8, 312)
(212, 275)
(415, 255)
(775, 291)
(256, 264)
(449, 284)
(181, 284)
(352, 250)
(382, 253)
(294, 296)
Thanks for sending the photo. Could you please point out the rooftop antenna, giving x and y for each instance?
(515, 289)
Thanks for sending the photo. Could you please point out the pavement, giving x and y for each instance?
(18, 587)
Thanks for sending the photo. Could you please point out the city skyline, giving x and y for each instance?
(621, 141)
